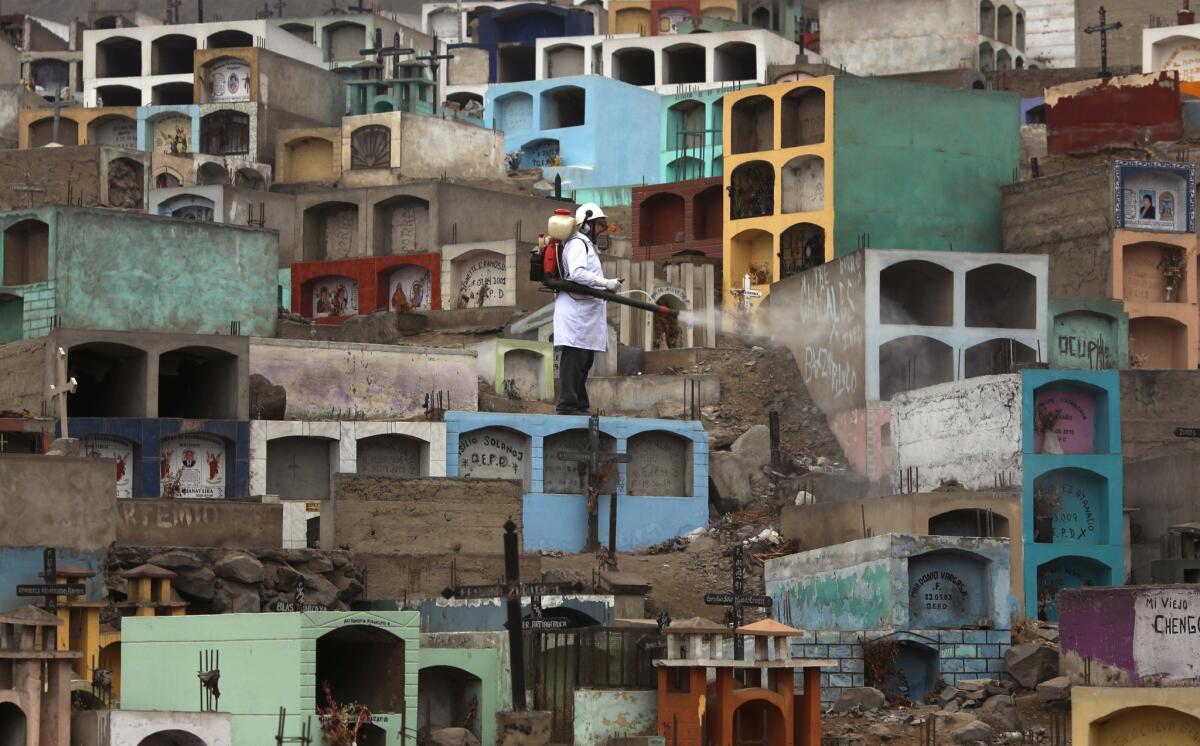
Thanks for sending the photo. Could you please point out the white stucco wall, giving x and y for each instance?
(965, 430)
(1049, 32)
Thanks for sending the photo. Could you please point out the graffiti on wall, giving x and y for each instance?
(1166, 634)
(829, 346)
(482, 280)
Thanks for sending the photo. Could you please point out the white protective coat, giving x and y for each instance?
(580, 320)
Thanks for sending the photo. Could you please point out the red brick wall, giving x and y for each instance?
(654, 228)
(1108, 115)
(370, 273)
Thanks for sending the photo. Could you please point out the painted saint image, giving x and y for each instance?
(1146, 211)
(400, 302)
(340, 301)
(120, 468)
(1166, 206)
(189, 459)
(214, 466)
(164, 464)
(324, 302)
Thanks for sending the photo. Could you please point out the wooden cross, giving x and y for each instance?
(737, 601)
(1103, 28)
(597, 465)
(395, 52)
(60, 388)
(50, 589)
(512, 589)
(28, 189)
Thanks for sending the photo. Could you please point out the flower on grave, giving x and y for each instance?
(340, 723)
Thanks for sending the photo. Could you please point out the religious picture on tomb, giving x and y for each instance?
(173, 135)
(1064, 422)
(334, 297)
(103, 446)
(229, 81)
(1166, 207)
(1156, 196)
(196, 463)
(410, 288)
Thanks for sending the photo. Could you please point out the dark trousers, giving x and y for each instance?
(574, 364)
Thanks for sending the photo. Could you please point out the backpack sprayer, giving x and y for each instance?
(546, 267)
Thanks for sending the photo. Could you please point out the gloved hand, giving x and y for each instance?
(612, 286)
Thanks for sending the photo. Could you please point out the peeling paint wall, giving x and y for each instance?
(969, 431)
(1085, 116)
(601, 714)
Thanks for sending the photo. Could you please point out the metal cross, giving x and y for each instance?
(512, 589)
(597, 464)
(28, 189)
(745, 293)
(334, 10)
(3, 443)
(50, 589)
(395, 52)
(1103, 28)
(173, 10)
(292, 468)
(279, 6)
(60, 388)
(737, 601)
(265, 12)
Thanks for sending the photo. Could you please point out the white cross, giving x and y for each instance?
(61, 388)
(745, 293)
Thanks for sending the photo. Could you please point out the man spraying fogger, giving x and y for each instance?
(580, 321)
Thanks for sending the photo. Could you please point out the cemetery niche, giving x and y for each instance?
(948, 588)
(1155, 196)
(570, 477)
(120, 451)
(192, 466)
(298, 467)
(524, 374)
(401, 225)
(409, 288)
(392, 455)
(334, 297)
(479, 279)
(1064, 421)
(494, 453)
(1063, 573)
(659, 464)
(1070, 507)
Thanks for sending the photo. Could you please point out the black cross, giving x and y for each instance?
(1103, 29)
(358, 7)
(50, 590)
(395, 51)
(334, 10)
(432, 59)
(173, 10)
(279, 6)
(595, 462)
(512, 589)
(738, 600)
(265, 12)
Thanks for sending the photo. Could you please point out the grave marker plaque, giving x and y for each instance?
(1074, 428)
(659, 465)
(229, 81)
(494, 453)
(1068, 506)
(390, 455)
(119, 132)
(1166, 634)
(197, 461)
(482, 280)
(946, 589)
(341, 232)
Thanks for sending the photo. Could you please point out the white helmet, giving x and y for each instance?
(588, 211)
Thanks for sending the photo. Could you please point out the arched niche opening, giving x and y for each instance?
(684, 168)
(735, 61)
(660, 464)
(302, 31)
(802, 113)
(1063, 573)
(913, 670)
(1004, 25)
(229, 39)
(516, 63)
(125, 456)
(565, 106)
(330, 231)
(401, 225)
(118, 57)
(948, 588)
(172, 738)
(913, 362)
(494, 453)
(13, 725)
(41, 132)
(684, 63)
(803, 184)
(298, 467)
(371, 147)
(661, 219)
(26, 252)
(633, 21)
(193, 466)
(12, 318)
(310, 159)
(685, 125)
(118, 95)
(982, 522)
(344, 41)
(987, 57)
(801, 247)
(114, 129)
(225, 132)
(211, 173)
(706, 213)
(560, 477)
(198, 383)
(987, 19)
(1000, 296)
(172, 54)
(1003, 60)
(188, 207)
(753, 122)
(916, 293)
(1070, 506)
(1148, 725)
(996, 356)
(758, 721)
(751, 254)
(1158, 342)
(362, 664)
(633, 65)
(514, 112)
(112, 380)
(250, 179)
(447, 697)
(563, 60)
(752, 190)
(524, 375)
(393, 455)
